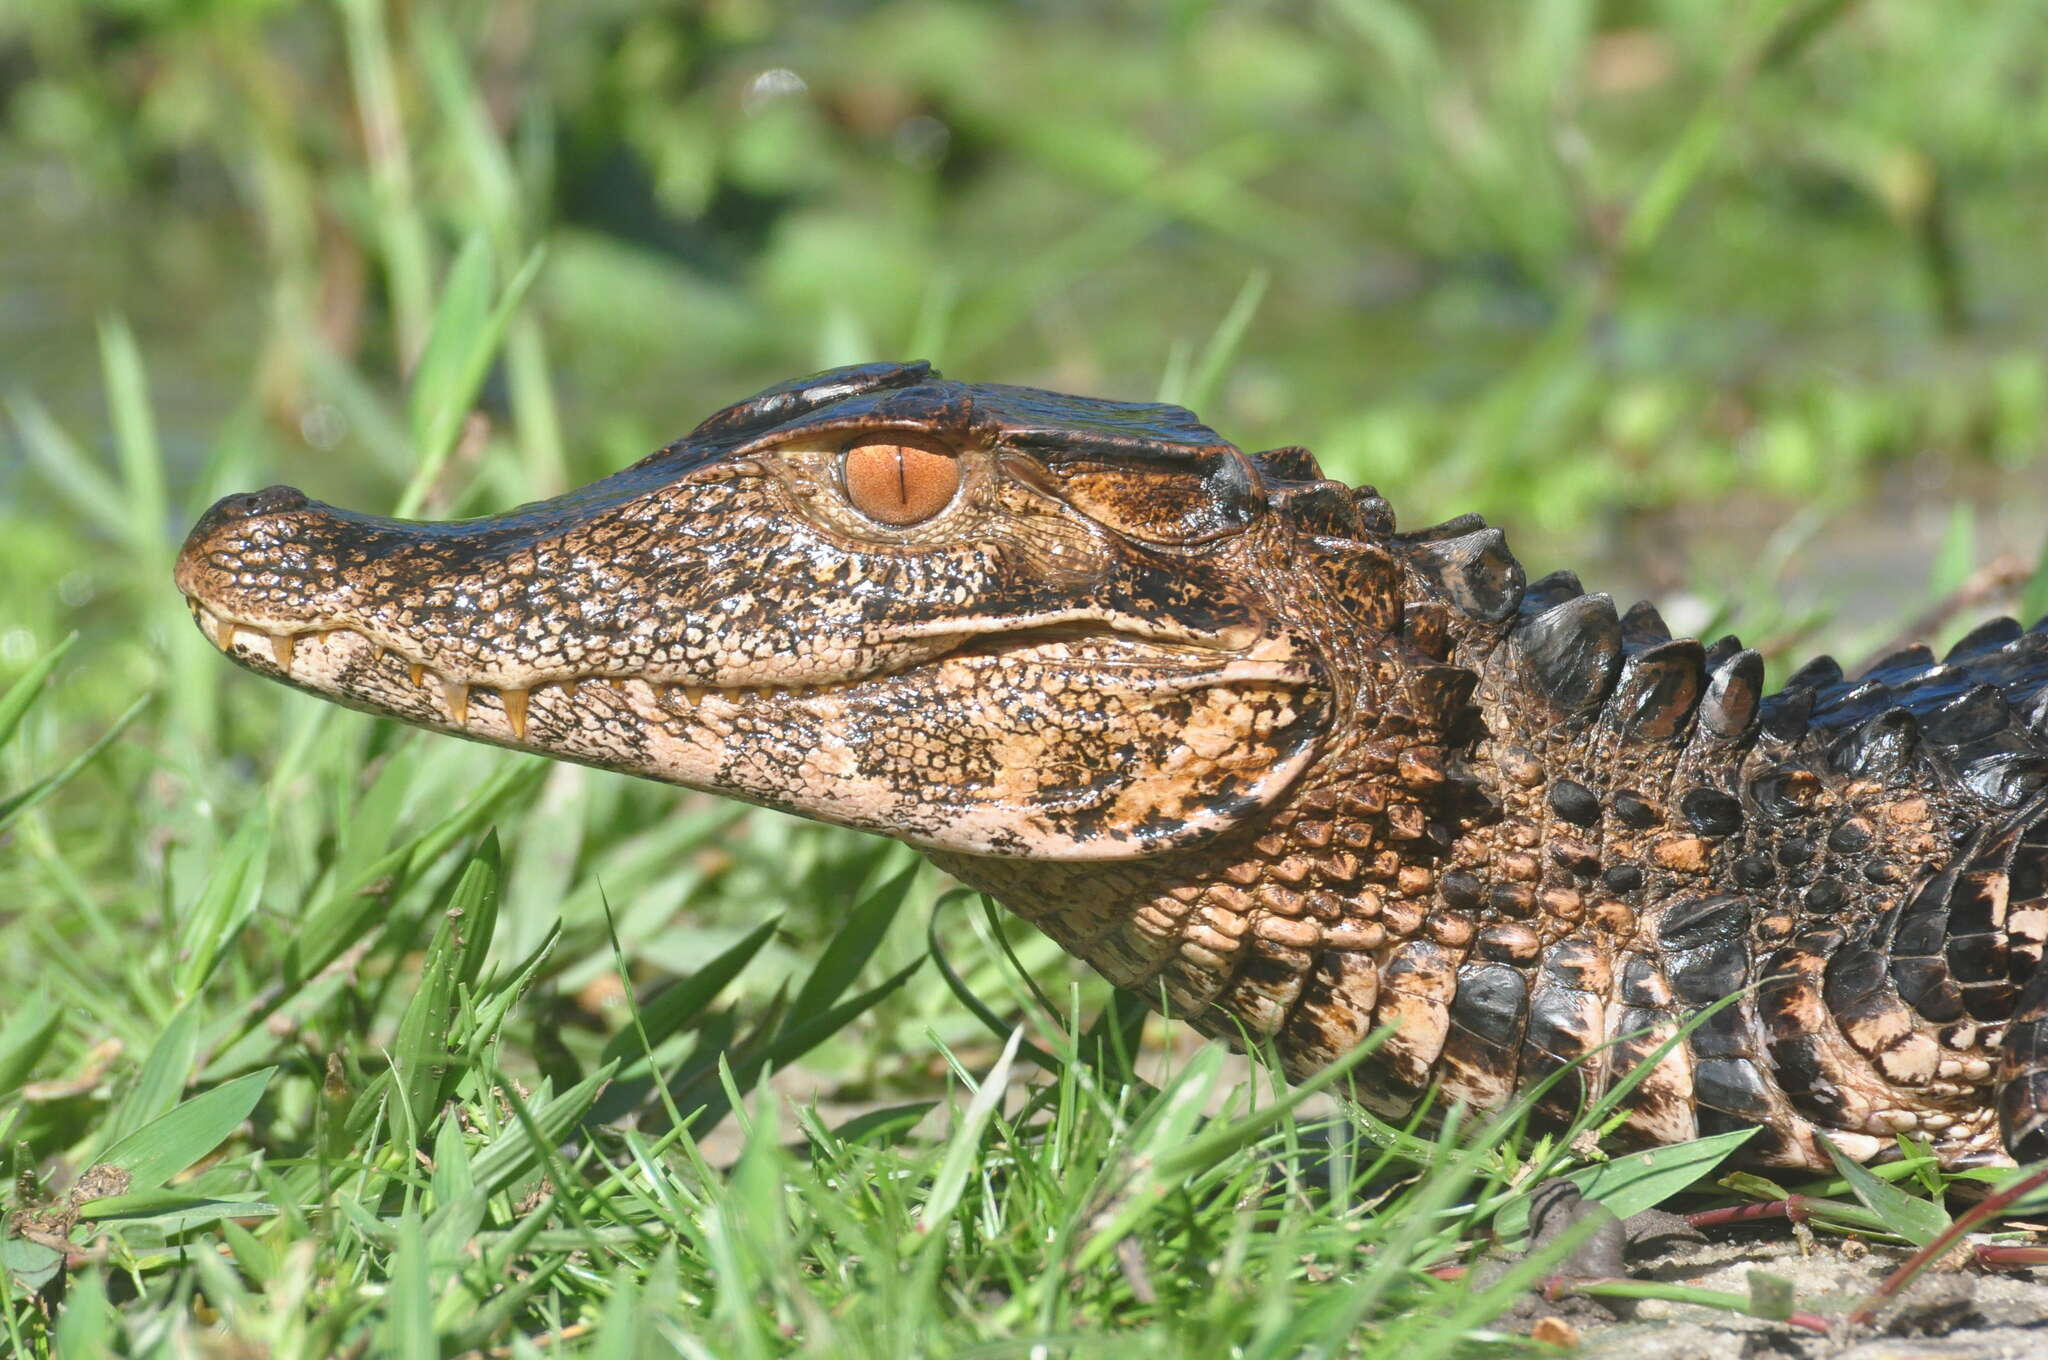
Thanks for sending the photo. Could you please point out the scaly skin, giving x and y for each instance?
(1210, 722)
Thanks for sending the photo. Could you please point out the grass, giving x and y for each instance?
(331, 1037)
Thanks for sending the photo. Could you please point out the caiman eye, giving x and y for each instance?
(898, 484)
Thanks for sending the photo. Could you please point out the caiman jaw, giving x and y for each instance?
(1163, 749)
(318, 657)
(325, 658)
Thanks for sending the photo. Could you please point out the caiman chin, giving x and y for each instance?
(1216, 725)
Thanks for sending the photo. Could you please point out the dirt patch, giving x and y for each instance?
(1942, 1316)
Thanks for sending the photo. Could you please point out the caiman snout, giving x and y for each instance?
(227, 518)
(227, 523)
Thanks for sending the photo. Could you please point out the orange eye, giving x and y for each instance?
(898, 483)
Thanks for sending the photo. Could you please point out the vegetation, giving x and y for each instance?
(325, 1035)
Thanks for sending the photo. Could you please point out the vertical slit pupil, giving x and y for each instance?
(898, 484)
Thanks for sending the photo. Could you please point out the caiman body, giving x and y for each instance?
(1218, 727)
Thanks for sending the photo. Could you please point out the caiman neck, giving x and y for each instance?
(1272, 930)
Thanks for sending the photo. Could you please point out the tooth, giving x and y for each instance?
(515, 711)
(224, 634)
(418, 673)
(456, 695)
(696, 693)
(569, 688)
(282, 645)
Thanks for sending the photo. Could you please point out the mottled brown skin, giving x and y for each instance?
(1218, 728)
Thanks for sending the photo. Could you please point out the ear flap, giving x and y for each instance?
(1291, 464)
(1198, 497)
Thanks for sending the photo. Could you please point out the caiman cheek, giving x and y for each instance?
(991, 771)
(965, 756)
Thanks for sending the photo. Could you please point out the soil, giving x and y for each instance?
(1943, 1315)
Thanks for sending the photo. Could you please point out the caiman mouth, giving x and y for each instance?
(325, 657)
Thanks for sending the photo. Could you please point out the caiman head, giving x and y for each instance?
(987, 620)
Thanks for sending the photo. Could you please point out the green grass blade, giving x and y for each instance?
(1221, 351)
(791, 1040)
(233, 889)
(23, 693)
(25, 1037)
(681, 1004)
(175, 1140)
(853, 945)
(619, 1336)
(147, 506)
(504, 992)
(167, 1211)
(409, 1323)
(963, 1148)
(468, 329)
(1762, 1301)
(92, 495)
(162, 1079)
(1637, 1181)
(347, 912)
(800, 1034)
(12, 807)
(2034, 599)
(402, 233)
(1184, 1156)
(451, 365)
(420, 1051)
(87, 1325)
(516, 1153)
(1803, 24)
(493, 188)
(1917, 1220)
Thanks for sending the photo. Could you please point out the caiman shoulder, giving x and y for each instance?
(1222, 729)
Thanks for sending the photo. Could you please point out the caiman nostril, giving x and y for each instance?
(271, 500)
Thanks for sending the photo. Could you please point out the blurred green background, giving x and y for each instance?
(1644, 281)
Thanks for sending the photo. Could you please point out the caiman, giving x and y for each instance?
(1218, 727)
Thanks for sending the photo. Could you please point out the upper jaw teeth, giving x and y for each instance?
(283, 648)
